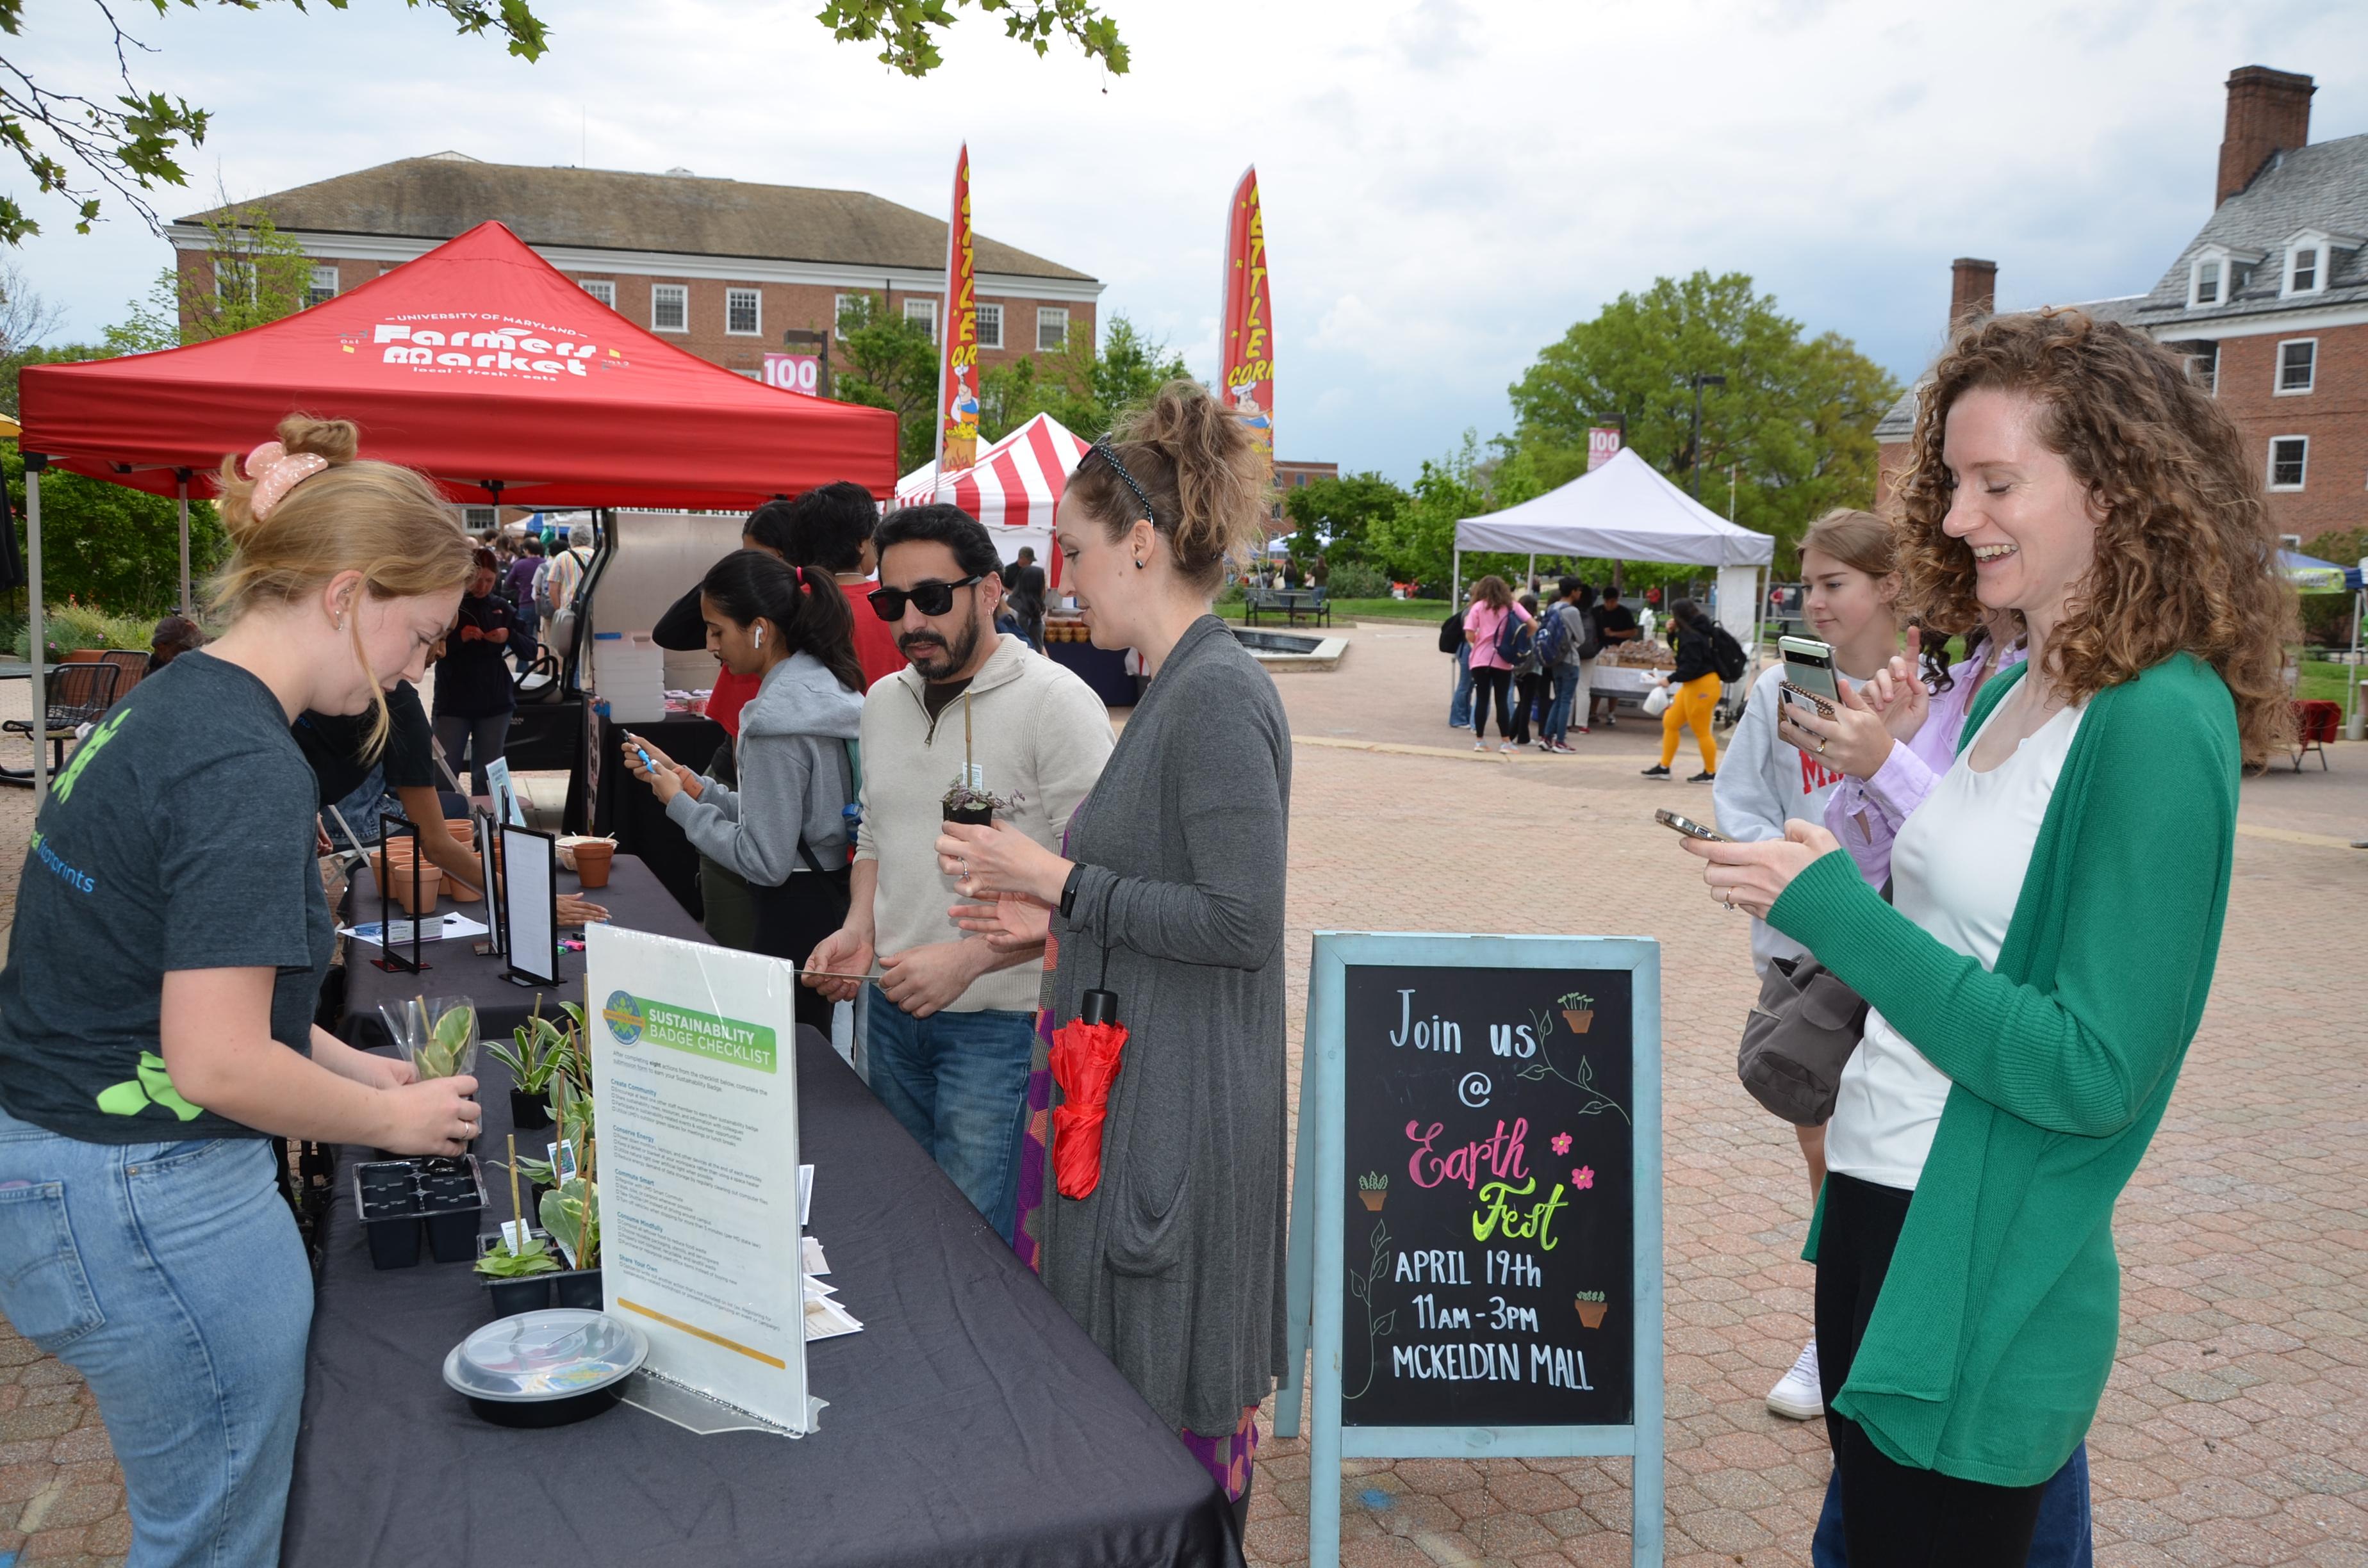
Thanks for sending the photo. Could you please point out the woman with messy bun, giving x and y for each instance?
(147, 1244)
(1171, 895)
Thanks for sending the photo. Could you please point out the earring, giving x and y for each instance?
(1138, 563)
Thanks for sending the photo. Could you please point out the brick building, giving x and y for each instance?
(2268, 300)
(721, 266)
(1296, 476)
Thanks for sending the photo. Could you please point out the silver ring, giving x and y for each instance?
(1729, 899)
(965, 866)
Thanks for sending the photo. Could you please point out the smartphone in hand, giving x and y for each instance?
(1690, 827)
(1809, 666)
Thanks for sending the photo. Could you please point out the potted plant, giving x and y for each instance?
(571, 1210)
(533, 1060)
(1592, 1307)
(1374, 1189)
(439, 1036)
(968, 801)
(1578, 1011)
(516, 1265)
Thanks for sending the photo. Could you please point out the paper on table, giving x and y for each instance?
(812, 1256)
(827, 1319)
(445, 928)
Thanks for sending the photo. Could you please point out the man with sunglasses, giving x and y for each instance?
(949, 1024)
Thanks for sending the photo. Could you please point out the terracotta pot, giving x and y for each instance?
(1373, 1201)
(1590, 1313)
(83, 656)
(430, 879)
(1579, 1022)
(592, 860)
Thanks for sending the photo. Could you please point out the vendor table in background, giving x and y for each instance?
(632, 898)
(972, 1421)
(1103, 669)
(629, 808)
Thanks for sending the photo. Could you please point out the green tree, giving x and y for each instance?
(77, 140)
(891, 364)
(1417, 541)
(1085, 388)
(109, 545)
(1334, 518)
(1795, 418)
(253, 275)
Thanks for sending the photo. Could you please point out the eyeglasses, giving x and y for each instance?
(1101, 450)
(933, 598)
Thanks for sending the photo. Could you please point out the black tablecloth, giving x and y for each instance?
(1104, 669)
(632, 898)
(970, 1422)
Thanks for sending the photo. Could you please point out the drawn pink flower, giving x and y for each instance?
(1561, 1142)
(1583, 1178)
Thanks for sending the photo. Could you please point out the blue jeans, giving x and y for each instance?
(170, 1275)
(958, 1082)
(1565, 691)
(482, 736)
(2061, 1540)
(363, 810)
(1459, 710)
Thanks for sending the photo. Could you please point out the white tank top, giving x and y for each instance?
(1957, 870)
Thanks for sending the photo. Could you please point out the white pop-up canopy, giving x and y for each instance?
(1627, 511)
(1623, 511)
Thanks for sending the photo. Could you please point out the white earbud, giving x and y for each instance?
(760, 637)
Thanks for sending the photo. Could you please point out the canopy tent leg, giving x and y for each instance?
(1530, 579)
(181, 500)
(36, 642)
(1455, 578)
(2351, 671)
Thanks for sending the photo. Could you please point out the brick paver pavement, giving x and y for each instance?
(2234, 1429)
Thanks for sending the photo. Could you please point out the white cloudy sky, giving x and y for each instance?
(1449, 184)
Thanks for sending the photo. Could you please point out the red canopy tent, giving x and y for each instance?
(479, 364)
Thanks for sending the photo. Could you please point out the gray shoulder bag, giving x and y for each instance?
(1798, 1037)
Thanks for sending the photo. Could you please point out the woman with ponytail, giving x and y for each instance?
(1170, 894)
(783, 828)
(156, 1030)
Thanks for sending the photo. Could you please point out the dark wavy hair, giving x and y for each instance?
(802, 604)
(2185, 560)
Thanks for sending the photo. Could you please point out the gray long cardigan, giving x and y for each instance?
(1175, 1263)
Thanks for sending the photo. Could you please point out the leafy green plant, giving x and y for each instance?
(530, 1259)
(542, 1047)
(571, 1212)
(446, 1046)
(962, 797)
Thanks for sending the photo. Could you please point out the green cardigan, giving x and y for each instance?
(1991, 1341)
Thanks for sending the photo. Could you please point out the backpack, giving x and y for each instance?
(1450, 631)
(1727, 654)
(1554, 636)
(1515, 637)
(1591, 643)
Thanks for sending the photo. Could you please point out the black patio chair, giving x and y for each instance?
(78, 694)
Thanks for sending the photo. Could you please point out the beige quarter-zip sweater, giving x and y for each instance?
(1040, 736)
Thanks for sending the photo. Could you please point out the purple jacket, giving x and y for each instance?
(1866, 813)
(521, 577)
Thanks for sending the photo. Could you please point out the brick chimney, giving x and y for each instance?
(2269, 111)
(1972, 290)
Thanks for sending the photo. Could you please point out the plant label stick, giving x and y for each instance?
(517, 1215)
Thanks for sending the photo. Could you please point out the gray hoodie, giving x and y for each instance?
(795, 778)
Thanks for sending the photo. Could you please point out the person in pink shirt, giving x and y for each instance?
(1492, 672)
(1896, 736)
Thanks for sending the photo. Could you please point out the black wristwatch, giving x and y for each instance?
(1069, 890)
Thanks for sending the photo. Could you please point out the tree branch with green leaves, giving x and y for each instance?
(907, 30)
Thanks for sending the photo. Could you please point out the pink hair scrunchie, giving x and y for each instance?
(274, 471)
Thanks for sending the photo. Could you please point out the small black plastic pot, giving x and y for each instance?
(388, 1201)
(452, 1234)
(576, 1288)
(977, 816)
(529, 1112)
(510, 1297)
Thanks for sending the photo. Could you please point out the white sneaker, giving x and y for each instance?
(1796, 1395)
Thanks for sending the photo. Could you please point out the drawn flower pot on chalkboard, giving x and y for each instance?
(1578, 1011)
(1374, 1189)
(1591, 1307)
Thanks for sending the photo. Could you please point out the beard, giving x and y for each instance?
(933, 658)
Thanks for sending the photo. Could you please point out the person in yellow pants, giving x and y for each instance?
(1697, 683)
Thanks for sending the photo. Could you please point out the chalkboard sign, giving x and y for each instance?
(1476, 1214)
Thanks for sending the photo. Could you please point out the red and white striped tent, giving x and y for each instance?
(1012, 488)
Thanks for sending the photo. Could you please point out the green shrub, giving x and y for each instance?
(74, 627)
(1356, 580)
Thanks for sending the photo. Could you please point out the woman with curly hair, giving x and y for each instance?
(2057, 904)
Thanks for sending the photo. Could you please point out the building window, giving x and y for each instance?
(669, 307)
(990, 325)
(846, 305)
(480, 520)
(233, 279)
(2303, 269)
(2297, 366)
(323, 286)
(743, 312)
(2203, 366)
(1052, 328)
(603, 290)
(2289, 462)
(2205, 290)
(923, 312)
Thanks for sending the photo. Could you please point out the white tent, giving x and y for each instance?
(1627, 511)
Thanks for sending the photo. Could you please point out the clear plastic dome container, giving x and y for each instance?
(557, 1352)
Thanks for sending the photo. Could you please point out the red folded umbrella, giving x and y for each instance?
(1085, 1064)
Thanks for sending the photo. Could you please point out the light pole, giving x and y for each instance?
(1694, 464)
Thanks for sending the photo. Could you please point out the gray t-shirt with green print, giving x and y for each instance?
(178, 837)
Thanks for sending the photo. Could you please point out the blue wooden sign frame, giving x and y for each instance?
(1319, 1200)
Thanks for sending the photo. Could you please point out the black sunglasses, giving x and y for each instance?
(934, 599)
(1101, 450)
